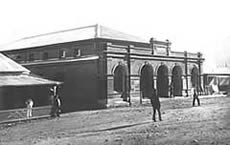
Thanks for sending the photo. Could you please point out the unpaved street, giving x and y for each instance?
(182, 124)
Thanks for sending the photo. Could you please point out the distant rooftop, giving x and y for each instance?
(218, 70)
(77, 34)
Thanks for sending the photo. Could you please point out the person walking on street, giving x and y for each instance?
(195, 97)
(155, 102)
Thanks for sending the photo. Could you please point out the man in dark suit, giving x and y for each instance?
(195, 97)
(154, 98)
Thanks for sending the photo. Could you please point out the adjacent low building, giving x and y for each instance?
(97, 63)
(17, 85)
(217, 81)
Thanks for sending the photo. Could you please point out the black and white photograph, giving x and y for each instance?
(115, 72)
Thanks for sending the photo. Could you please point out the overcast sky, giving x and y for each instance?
(192, 25)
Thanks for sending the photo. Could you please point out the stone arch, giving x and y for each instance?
(176, 85)
(162, 80)
(175, 65)
(120, 78)
(141, 66)
(116, 65)
(146, 80)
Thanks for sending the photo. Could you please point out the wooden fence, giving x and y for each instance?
(20, 114)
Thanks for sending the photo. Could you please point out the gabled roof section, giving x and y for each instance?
(109, 33)
(77, 34)
(13, 74)
(9, 66)
(24, 80)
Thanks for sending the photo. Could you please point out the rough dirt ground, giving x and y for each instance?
(182, 125)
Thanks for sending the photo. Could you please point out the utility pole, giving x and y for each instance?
(199, 55)
(129, 73)
(186, 71)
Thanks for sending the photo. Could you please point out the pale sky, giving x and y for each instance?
(192, 25)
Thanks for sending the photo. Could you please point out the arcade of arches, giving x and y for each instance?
(166, 84)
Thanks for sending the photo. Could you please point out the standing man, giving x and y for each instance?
(154, 98)
(195, 97)
(29, 106)
(56, 107)
(56, 103)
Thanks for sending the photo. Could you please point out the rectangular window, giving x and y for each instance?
(18, 58)
(77, 52)
(62, 54)
(31, 57)
(45, 56)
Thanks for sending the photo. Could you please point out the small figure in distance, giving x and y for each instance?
(56, 103)
(195, 97)
(155, 102)
(29, 106)
(56, 107)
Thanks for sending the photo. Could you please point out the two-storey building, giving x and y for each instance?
(97, 63)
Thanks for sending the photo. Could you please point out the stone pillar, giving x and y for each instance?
(199, 55)
(186, 71)
(129, 72)
(168, 48)
(155, 81)
(151, 41)
(170, 83)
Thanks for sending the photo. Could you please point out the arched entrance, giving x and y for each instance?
(120, 79)
(146, 80)
(177, 84)
(162, 81)
(194, 77)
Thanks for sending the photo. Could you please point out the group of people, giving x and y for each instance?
(55, 105)
(152, 95)
(155, 102)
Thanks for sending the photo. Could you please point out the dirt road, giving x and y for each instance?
(182, 124)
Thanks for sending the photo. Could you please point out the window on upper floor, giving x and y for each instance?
(31, 57)
(62, 54)
(18, 57)
(76, 52)
(45, 56)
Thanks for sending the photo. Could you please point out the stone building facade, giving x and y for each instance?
(97, 63)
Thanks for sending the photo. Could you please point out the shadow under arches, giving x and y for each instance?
(162, 81)
(176, 83)
(194, 77)
(146, 80)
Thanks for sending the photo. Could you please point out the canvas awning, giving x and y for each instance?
(220, 80)
(24, 80)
